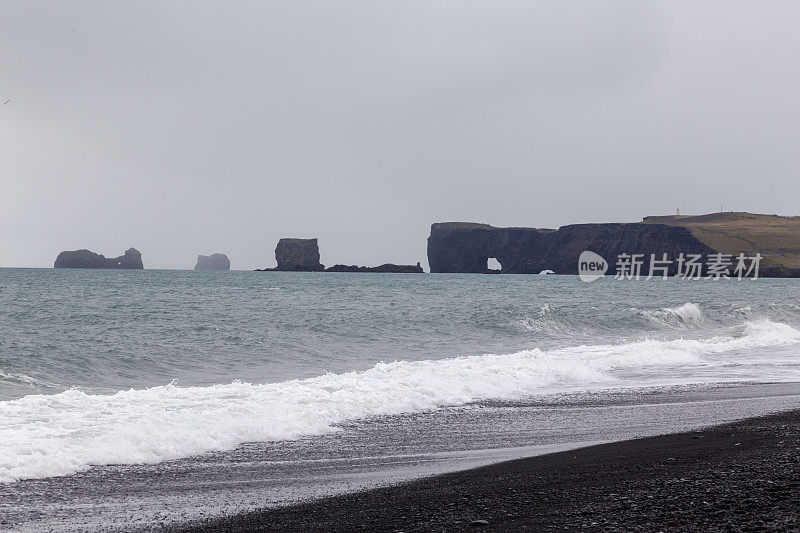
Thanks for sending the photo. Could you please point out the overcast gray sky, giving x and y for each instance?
(195, 127)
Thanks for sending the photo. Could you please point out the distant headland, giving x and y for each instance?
(467, 247)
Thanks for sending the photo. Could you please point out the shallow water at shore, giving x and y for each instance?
(367, 454)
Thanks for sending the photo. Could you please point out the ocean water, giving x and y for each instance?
(108, 370)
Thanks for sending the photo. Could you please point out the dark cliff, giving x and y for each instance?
(88, 259)
(298, 255)
(213, 262)
(466, 247)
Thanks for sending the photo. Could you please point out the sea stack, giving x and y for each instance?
(88, 259)
(302, 255)
(298, 255)
(213, 262)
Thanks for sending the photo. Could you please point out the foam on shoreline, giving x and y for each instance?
(60, 434)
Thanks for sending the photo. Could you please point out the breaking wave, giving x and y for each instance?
(60, 434)
(686, 315)
(552, 321)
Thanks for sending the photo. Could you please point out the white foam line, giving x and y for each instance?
(60, 434)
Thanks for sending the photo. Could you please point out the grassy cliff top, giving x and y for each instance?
(776, 237)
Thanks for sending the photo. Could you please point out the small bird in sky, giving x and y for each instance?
(7, 101)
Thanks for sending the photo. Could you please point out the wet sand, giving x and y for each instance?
(739, 476)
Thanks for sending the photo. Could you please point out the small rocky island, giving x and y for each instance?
(387, 268)
(213, 262)
(302, 255)
(88, 259)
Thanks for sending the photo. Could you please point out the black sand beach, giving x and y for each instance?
(739, 476)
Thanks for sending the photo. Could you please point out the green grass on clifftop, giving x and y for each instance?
(777, 238)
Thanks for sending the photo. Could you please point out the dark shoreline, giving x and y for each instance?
(739, 476)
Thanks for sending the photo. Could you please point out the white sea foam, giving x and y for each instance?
(49, 435)
(685, 315)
